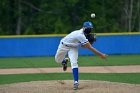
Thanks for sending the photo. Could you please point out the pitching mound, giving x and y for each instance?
(66, 86)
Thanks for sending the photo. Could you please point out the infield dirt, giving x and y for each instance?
(86, 86)
(66, 86)
(96, 69)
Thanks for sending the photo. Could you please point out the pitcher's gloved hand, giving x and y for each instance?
(91, 38)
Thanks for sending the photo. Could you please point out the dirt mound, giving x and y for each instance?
(66, 86)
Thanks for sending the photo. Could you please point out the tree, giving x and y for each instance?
(18, 30)
(50, 16)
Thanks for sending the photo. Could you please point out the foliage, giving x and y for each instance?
(64, 16)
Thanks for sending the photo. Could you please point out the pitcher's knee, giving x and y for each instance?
(58, 60)
(74, 65)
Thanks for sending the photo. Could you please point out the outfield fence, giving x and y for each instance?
(46, 45)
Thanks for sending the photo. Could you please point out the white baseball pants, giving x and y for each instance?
(72, 54)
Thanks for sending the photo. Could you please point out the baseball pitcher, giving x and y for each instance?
(70, 43)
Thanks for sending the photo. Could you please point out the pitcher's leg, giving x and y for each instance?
(60, 56)
(61, 53)
(73, 55)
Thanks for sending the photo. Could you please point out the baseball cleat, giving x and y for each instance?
(64, 64)
(75, 86)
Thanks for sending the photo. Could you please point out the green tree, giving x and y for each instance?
(64, 16)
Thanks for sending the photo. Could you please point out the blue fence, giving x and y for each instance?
(47, 46)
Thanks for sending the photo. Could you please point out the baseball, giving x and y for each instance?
(93, 15)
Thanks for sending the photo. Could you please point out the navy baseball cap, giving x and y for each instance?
(87, 25)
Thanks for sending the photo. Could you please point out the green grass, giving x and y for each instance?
(133, 78)
(113, 60)
(27, 62)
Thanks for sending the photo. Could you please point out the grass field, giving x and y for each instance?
(30, 62)
(133, 78)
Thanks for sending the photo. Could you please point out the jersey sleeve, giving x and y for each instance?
(82, 39)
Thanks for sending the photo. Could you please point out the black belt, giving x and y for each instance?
(64, 44)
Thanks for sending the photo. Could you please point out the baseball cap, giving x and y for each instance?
(88, 24)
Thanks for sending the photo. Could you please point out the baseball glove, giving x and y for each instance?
(91, 38)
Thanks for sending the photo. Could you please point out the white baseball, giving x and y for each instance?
(93, 15)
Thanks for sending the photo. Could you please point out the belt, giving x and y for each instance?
(64, 44)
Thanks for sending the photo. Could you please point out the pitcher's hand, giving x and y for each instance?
(104, 56)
